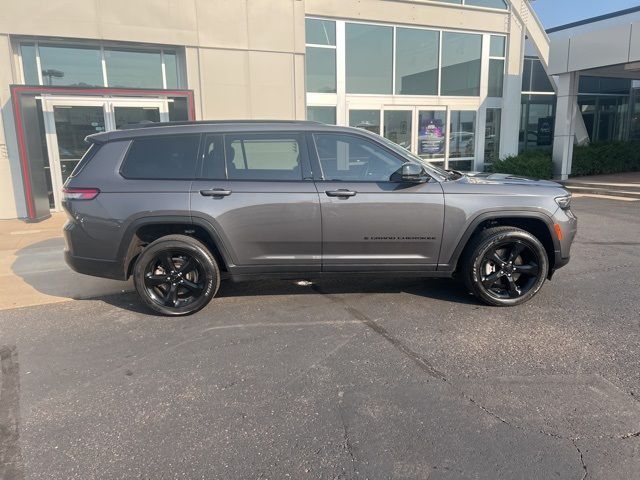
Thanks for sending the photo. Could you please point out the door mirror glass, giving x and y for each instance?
(413, 173)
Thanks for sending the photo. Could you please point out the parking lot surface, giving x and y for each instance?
(351, 378)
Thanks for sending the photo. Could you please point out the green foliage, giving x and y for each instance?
(606, 157)
(532, 163)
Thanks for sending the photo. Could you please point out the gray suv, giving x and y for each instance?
(183, 206)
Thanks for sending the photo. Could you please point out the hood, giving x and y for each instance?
(507, 179)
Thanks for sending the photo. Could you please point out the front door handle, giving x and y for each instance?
(340, 193)
(215, 192)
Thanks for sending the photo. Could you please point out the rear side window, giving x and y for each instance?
(88, 155)
(274, 156)
(170, 157)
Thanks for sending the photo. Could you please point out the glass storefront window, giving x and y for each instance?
(534, 77)
(496, 77)
(369, 58)
(487, 3)
(461, 60)
(497, 46)
(492, 135)
(365, 119)
(320, 32)
(462, 136)
(76, 66)
(417, 61)
(321, 70)
(634, 128)
(171, 69)
(29, 64)
(322, 114)
(537, 122)
(432, 131)
(397, 127)
(605, 116)
(131, 68)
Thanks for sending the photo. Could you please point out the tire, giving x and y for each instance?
(176, 275)
(504, 266)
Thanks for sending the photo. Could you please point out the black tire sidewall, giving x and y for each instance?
(190, 246)
(477, 260)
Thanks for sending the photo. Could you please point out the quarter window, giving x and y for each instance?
(354, 159)
(263, 157)
(168, 157)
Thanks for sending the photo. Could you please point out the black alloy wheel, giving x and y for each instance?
(505, 266)
(174, 278)
(176, 275)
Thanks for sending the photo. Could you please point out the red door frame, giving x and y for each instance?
(18, 90)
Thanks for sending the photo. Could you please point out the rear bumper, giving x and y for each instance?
(94, 267)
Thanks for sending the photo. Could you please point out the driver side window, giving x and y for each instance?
(353, 159)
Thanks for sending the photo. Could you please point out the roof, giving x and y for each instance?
(208, 126)
(600, 18)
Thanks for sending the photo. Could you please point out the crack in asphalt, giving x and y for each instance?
(584, 466)
(426, 366)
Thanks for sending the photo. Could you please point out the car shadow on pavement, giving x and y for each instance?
(41, 265)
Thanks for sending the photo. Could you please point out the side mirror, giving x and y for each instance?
(413, 173)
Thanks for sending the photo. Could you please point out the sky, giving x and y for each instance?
(560, 12)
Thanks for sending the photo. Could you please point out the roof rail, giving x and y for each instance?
(147, 124)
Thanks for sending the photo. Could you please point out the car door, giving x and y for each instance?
(253, 191)
(370, 219)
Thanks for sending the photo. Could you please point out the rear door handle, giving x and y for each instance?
(215, 192)
(340, 193)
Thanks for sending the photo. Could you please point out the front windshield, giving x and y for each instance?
(429, 167)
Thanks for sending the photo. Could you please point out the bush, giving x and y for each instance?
(532, 163)
(607, 157)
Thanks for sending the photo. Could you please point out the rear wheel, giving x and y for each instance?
(176, 275)
(505, 266)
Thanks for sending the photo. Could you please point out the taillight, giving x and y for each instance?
(80, 193)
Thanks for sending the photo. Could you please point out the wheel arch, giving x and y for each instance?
(143, 231)
(536, 223)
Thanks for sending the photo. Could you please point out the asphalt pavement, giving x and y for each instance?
(358, 378)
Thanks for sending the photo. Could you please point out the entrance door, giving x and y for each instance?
(420, 129)
(69, 120)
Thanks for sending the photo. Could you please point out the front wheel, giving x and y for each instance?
(505, 266)
(176, 275)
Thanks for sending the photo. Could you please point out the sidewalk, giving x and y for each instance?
(32, 267)
(619, 186)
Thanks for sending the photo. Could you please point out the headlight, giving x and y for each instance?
(564, 202)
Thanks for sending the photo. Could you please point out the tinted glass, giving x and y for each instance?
(497, 47)
(320, 32)
(492, 135)
(132, 115)
(496, 77)
(263, 157)
(321, 70)
(461, 54)
(365, 119)
(171, 69)
(130, 68)
(501, 4)
(462, 134)
(417, 61)
(539, 79)
(167, 157)
(71, 66)
(349, 158)
(213, 158)
(178, 109)
(369, 59)
(29, 65)
(322, 114)
(397, 127)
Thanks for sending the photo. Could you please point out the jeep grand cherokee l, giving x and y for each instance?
(183, 206)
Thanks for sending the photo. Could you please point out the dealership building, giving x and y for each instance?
(458, 82)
